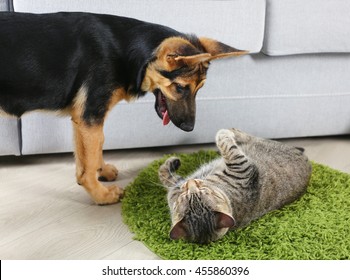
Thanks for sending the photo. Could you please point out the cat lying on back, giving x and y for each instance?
(253, 177)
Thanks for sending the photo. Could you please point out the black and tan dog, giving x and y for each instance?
(83, 64)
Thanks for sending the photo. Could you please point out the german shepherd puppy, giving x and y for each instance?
(83, 64)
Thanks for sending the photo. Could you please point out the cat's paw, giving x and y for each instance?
(240, 136)
(225, 136)
(167, 174)
(173, 163)
(225, 139)
(235, 130)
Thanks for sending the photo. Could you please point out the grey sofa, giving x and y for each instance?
(294, 83)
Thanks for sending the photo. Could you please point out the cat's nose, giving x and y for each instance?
(191, 186)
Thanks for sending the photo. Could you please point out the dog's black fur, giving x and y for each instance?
(45, 58)
(84, 64)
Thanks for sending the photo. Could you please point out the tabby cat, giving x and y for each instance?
(254, 176)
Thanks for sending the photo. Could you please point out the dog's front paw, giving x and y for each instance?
(108, 173)
(110, 195)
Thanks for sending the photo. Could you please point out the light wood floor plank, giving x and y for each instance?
(44, 214)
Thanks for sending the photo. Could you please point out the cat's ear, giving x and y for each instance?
(224, 221)
(178, 231)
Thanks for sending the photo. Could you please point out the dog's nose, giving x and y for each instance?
(187, 126)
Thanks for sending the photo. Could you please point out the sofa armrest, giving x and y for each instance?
(4, 5)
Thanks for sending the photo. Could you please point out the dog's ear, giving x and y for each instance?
(176, 51)
(219, 50)
(194, 59)
(213, 50)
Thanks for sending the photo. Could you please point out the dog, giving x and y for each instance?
(83, 64)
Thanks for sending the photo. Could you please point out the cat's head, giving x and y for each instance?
(200, 212)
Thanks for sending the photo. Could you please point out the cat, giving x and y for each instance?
(252, 177)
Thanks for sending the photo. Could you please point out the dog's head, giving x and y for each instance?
(176, 73)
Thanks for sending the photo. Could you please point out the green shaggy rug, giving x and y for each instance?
(315, 227)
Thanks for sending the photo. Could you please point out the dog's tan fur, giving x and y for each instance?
(89, 141)
(169, 60)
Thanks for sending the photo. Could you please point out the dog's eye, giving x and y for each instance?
(181, 89)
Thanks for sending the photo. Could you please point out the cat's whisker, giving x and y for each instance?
(156, 183)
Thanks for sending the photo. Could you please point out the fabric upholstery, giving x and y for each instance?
(10, 142)
(4, 5)
(307, 26)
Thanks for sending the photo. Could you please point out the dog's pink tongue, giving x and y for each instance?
(166, 118)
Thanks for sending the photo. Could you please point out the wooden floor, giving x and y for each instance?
(44, 214)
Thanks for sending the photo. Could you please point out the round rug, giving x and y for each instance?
(315, 227)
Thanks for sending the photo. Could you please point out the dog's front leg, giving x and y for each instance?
(107, 172)
(89, 163)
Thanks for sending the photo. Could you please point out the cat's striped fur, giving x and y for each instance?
(253, 176)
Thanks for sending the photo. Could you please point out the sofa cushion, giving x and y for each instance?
(239, 23)
(307, 26)
(9, 137)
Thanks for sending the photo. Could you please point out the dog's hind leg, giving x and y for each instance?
(88, 153)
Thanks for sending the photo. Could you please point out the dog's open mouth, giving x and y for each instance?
(161, 106)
